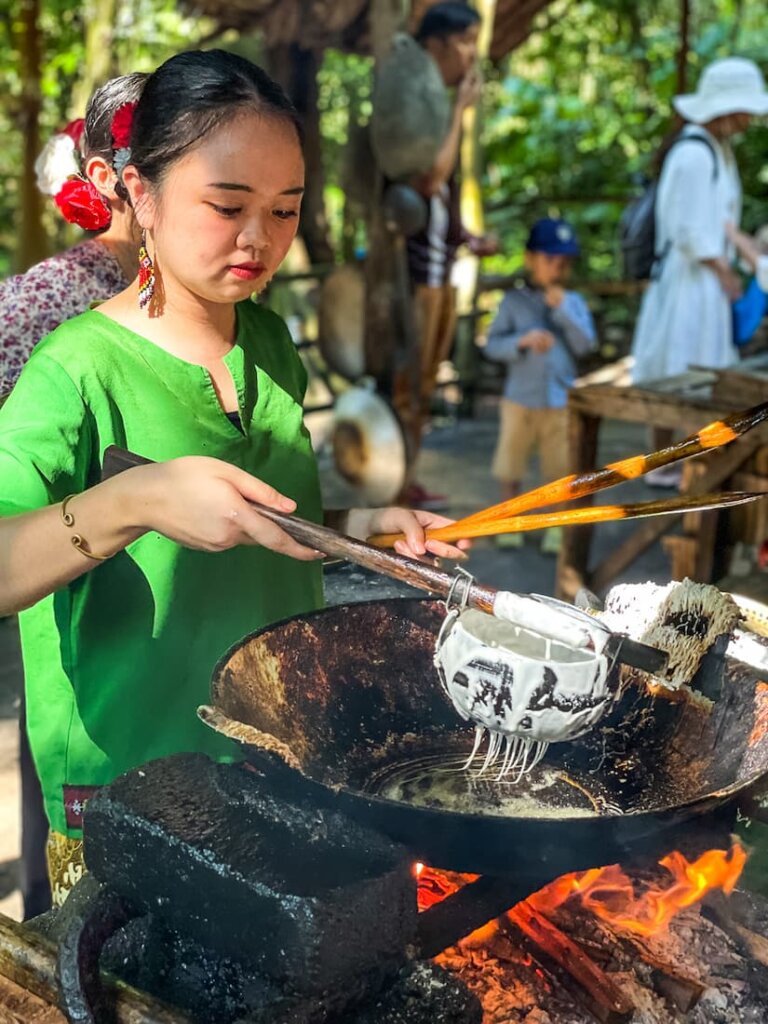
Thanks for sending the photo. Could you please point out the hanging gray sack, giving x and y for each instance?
(411, 111)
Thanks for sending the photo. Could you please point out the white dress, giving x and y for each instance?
(685, 317)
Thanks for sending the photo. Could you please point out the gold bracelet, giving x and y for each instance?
(77, 541)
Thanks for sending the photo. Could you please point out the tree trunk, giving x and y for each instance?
(296, 70)
(384, 299)
(683, 47)
(99, 16)
(33, 244)
(471, 170)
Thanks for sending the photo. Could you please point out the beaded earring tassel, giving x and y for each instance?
(146, 274)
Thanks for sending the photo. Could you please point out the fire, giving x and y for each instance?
(435, 886)
(609, 894)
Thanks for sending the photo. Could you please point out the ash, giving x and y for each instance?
(514, 987)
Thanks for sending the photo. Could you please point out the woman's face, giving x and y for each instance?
(225, 215)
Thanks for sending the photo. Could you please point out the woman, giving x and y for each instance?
(180, 363)
(685, 316)
(77, 168)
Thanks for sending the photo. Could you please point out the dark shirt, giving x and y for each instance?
(432, 252)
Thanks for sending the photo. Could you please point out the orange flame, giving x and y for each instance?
(610, 895)
(608, 892)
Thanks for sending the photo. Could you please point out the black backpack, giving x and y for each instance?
(637, 227)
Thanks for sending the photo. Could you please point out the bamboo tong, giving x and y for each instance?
(508, 517)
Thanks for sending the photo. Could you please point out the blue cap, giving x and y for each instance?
(552, 236)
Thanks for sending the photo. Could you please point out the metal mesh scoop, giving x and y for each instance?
(537, 671)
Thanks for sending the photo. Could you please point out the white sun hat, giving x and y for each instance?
(730, 86)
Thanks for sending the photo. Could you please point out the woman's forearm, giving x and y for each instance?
(37, 555)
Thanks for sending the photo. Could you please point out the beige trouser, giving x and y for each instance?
(522, 432)
(435, 316)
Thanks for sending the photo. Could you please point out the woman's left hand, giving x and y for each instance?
(412, 523)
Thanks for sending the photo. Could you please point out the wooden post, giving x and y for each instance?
(471, 169)
(99, 18)
(572, 566)
(296, 68)
(33, 244)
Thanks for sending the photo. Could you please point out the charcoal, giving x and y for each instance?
(422, 994)
(298, 893)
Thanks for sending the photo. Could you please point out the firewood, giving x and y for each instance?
(599, 994)
(717, 909)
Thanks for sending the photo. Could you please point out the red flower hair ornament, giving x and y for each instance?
(81, 203)
(59, 173)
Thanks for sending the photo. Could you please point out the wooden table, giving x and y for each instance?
(685, 404)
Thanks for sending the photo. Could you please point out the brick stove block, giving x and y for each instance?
(300, 894)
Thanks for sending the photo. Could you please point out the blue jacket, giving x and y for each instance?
(540, 380)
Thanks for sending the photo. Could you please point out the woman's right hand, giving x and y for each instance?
(202, 503)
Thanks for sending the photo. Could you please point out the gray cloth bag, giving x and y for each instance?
(411, 111)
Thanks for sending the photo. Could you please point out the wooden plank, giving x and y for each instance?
(742, 388)
(633, 405)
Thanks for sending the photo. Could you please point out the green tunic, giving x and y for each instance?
(117, 662)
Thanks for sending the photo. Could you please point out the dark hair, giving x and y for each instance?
(446, 19)
(189, 96)
(101, 109)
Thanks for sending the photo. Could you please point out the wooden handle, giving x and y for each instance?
(408, 570)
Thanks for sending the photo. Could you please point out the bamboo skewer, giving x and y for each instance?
(495, 519)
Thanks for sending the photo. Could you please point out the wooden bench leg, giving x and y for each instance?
(573, 560)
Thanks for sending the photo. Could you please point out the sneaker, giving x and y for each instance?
(416, 496)
(665, 476)
(552, 541)
(509, 541)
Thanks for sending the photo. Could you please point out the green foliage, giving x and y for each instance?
(571, 120)
(574, 118)
(146, 32)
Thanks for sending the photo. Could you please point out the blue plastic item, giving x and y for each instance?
(748, 312)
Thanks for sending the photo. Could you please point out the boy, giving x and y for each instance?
(540, 331)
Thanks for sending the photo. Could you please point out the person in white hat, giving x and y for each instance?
(685, 316)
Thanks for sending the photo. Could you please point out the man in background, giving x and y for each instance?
(448, 33)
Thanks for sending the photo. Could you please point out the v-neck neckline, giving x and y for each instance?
(159, 359)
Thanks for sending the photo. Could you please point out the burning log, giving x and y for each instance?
(601, 996)
(719, 912)
(678, 988)
(470, 908)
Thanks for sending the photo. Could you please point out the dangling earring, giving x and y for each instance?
(146, 274)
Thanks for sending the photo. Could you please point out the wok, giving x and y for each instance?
(344, 705)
